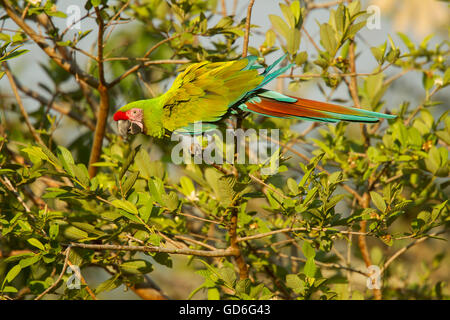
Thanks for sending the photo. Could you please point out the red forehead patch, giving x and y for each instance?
(120, 115)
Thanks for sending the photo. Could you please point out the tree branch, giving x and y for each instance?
(104, 101)
(69, 66)
(247, 28)
(138, 66)
(55, 106)
(232, 231)
(182, 251)
(21, 107)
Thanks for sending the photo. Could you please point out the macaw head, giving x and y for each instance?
(130, 119)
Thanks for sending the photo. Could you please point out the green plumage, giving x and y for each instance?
(205, 91)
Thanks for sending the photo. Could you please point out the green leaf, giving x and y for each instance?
(146, 210)
(280, 26)
(187, 187)
(136, 266)
(164, 259)
(378, 201)
(354, 7)
(129, 160)
(36, 243)
(308, 250)
(409, 44)
(125, 205)
(223, 186)
(65, 156)
(310, 268)
(171, 200)
(29, 261)
(297, 11)
(53, 231)
(64, 43)
(292, 185)
(446, 79)
(35, 152)
(5, 37)
(81, 173)
(13, 54)
(293, 41)
(213, 294)
(328, 38)
(12, 274)
(74, 233)
(156, 188)
(353, 30)
(96, 3)
(301, 58)
(129, 182)
(58, 14)
(243, 286)
(311, 194)
(293, 282)
(270, 38)
(109, 284)
(228, 275)
(334, 200)
(88, 228)
(9, 289)
(104, 164)
(288, 14)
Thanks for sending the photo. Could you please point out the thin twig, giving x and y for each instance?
(266, 185)
(21, 107)
(319, 263)
(66, 263)
(55, 106)
(324, 5)
(198, 218)
(404, 249)
(7, 183)
(286, 230)
(187, 239)
(69, 66)
(138, 66)
(115, 18)
(83, 281)
(224, 8)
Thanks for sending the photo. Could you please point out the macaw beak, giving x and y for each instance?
(127, 127)
(123, 126)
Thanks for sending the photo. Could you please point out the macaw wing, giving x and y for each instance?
(205, 90)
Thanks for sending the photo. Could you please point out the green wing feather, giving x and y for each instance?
(205, 90)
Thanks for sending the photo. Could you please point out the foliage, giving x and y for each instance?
(277, 236)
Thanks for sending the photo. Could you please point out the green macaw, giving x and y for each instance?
(207, 92)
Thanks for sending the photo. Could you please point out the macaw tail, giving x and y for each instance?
(274, 104)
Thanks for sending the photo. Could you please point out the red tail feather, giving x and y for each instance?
(281, 109)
